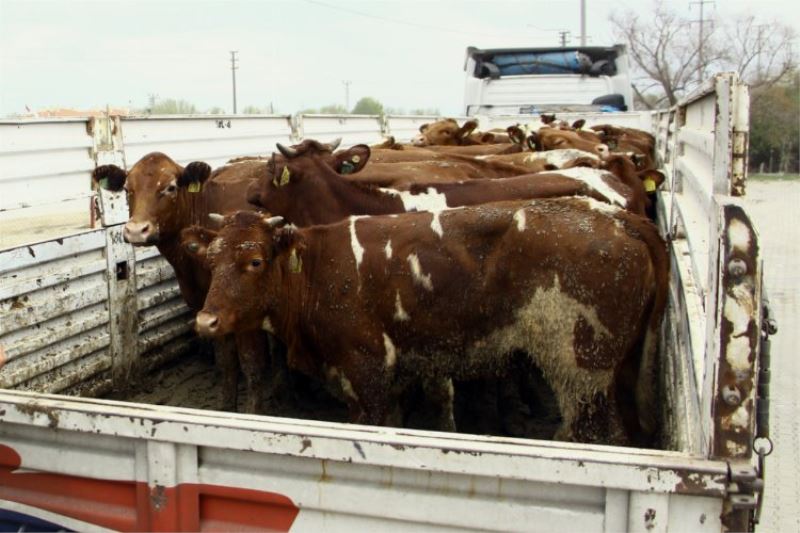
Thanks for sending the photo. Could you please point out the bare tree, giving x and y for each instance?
(665, 51)
(762, 54)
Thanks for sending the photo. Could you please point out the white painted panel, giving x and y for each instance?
(636, 119)
(213, 139)
(44, 162)
(353, 129)
(406, 127)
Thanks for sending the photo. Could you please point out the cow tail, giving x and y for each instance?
(647, 389)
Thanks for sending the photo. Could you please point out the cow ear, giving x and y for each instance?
(352, 160)
(195, 172)
(578, 124)
(109, 177)
(516, 134)
(466, 129)
(195, 241)
(547, 118)
(652, 179)
(423, 128)
(534, 142)
(284, 238)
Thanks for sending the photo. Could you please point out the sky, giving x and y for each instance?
(293, 54)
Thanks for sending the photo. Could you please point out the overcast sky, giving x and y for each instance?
(294, 54)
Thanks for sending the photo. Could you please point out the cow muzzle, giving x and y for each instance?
(140, 233)
(207, 324)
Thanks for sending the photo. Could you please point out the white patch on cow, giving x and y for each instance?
(593, 177)
(339, 377)
(602, 207)
(358, 250)
(559, 157)
(430, 200)
(519, 218)
(248, 245)
(388, 249)
(739, 235)
(216, 246)
(416, 273)
(391, 351)
(545, 328)
(266, 325)
(399, 313)
(482, 157)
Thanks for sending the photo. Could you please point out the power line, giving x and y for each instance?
(563, 35)
(233, 75)
(403, 22)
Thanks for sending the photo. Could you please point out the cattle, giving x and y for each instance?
(164, 198)
(375, 303)
(447, 132)
(550, 138)
(307, 188)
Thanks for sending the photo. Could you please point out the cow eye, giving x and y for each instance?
(255, 263)
(171, 188)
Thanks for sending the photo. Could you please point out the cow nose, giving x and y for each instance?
(207, 323)
(137, 232)
(602, 150)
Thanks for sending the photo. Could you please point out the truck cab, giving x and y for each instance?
(525, 81)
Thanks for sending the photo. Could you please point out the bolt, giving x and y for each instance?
(731, 395)
(737, 267)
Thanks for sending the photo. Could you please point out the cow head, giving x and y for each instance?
(557, 139)
(293, 168)
(445, 132)
(157, 189)
(249, 258)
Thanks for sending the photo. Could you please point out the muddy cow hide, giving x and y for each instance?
(375, 303)
(164, 198)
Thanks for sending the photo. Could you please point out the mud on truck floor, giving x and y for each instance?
(194, 381)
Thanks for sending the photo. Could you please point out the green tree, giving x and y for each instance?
(171, 106)
(333, 109)
(775, 126)
(252, 110)
(368, 106)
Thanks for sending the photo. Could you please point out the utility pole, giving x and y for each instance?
(700, 61)
(562, 36)
(346, 84)
(583, 22)
(233, 74)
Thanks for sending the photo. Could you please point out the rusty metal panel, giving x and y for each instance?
(353, 129)
(348, 476)
(211, 138)
(54, 331)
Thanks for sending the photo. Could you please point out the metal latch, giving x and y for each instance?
(745, 484)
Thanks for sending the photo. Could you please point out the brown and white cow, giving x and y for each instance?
(374, 303)
(165, 198)
(447, 132)
(307, 188)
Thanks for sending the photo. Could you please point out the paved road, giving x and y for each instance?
(775, 208)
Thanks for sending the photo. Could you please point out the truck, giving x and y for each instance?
(528, 81)
(86, 314)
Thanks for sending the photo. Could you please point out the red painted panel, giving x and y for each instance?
(132, 506)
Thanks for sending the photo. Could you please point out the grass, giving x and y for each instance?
(774, 177)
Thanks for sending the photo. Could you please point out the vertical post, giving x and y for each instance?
(346, 84)
(583, 22)
(233, 75)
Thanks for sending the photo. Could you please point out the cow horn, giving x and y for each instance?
(286, 150)
(273, 221)
(334, 144)
(216, 217)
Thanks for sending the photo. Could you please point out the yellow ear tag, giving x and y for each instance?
(285, 176)
(295, 263)
(194, 186)
(649, 184)
(355, 159)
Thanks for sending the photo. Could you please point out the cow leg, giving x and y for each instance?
(439, 391)
(225, 356)
(252, 347)
(591, 417)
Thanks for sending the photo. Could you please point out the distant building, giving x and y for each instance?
(78, 113)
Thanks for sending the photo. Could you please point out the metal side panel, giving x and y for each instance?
(44, 162)
(353, 129)
(213, 139)
(136, 467)
(54, 315)
(163, 317)
(406, 127)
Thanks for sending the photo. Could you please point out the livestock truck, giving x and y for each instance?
(83, 315)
